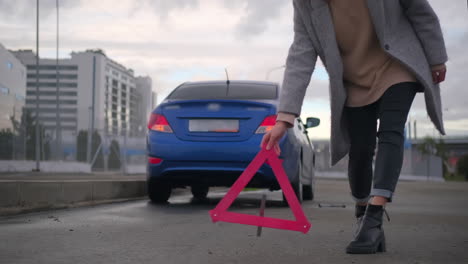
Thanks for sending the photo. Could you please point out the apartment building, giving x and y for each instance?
(57, 97)
(93, 91)
(12, 89)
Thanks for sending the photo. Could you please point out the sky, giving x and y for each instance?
(174, 41)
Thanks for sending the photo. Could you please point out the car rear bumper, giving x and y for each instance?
(185, 173)
(215, 163)
(168, 147)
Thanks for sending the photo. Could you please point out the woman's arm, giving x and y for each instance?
(300, 65)
(427, 27)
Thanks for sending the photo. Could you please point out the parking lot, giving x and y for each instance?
(429, 224)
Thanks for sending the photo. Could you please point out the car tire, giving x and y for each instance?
(159, 191)
(200, 191)
(297, 186)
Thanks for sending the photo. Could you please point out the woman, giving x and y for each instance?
(378, 54)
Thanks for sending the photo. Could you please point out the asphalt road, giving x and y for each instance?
(429, 224)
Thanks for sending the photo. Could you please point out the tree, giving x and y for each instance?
(6, 144)
(81, 145)
(114, 155)
(99, 162)
(82, 148)
(429, 146)
(462, 166)
(30, 132)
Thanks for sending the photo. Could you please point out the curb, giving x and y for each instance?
(26, 196)
(403, 177)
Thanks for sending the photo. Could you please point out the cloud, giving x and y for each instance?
(163, 8)
(24, 9)
(257, 15)
(182, 40)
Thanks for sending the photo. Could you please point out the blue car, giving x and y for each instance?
(205, 134)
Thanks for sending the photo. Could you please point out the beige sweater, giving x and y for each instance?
(368, 70)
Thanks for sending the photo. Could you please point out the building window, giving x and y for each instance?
(4, 90)
(19, 97)
(9, 65)
(62, 102)
(50, 93)
(53, 76)
(53, 67)
(52, 84)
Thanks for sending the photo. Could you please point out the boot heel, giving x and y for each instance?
(382, 247)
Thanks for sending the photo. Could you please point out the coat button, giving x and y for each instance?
(387, 47)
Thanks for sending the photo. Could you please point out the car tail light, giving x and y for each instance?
(267, 124)
(152, 160)
(159, 123)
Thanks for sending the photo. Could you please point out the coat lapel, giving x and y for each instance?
(323, 25)
(376, 10)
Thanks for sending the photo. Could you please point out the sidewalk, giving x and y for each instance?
(31, 191)
(343, 175)
(46, 176)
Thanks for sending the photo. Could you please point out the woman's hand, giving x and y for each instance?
(438, 73)
(272, 138)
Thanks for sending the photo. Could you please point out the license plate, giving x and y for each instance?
(214, 125)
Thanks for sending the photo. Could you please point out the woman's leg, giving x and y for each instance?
(362, 128)
(392, 112)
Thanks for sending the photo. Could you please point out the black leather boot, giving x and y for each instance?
(359, 213)
(370, 237)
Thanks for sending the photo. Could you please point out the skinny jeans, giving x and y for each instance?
(391, 109)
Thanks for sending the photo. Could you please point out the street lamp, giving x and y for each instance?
(37, 88)
(267, 76)
(58, 134)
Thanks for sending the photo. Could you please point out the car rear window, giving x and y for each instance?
(223, 91)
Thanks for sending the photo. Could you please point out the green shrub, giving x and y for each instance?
(114, 155)
(462, 166)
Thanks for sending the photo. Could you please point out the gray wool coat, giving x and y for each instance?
(408, 30)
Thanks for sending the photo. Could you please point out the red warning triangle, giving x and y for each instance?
(270, 157)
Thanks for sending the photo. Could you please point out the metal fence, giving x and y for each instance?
(415, 164)
(107, 152)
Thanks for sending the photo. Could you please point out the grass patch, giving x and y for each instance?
(454, 177)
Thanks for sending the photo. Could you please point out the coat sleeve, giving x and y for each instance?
(286, 117)
(427, 27)
(300, 64)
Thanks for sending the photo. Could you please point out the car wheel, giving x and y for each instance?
(200, 191)
(159, 191)
(297, 186)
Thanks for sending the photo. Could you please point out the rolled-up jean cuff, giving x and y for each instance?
(381, 192)
(361, 200)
